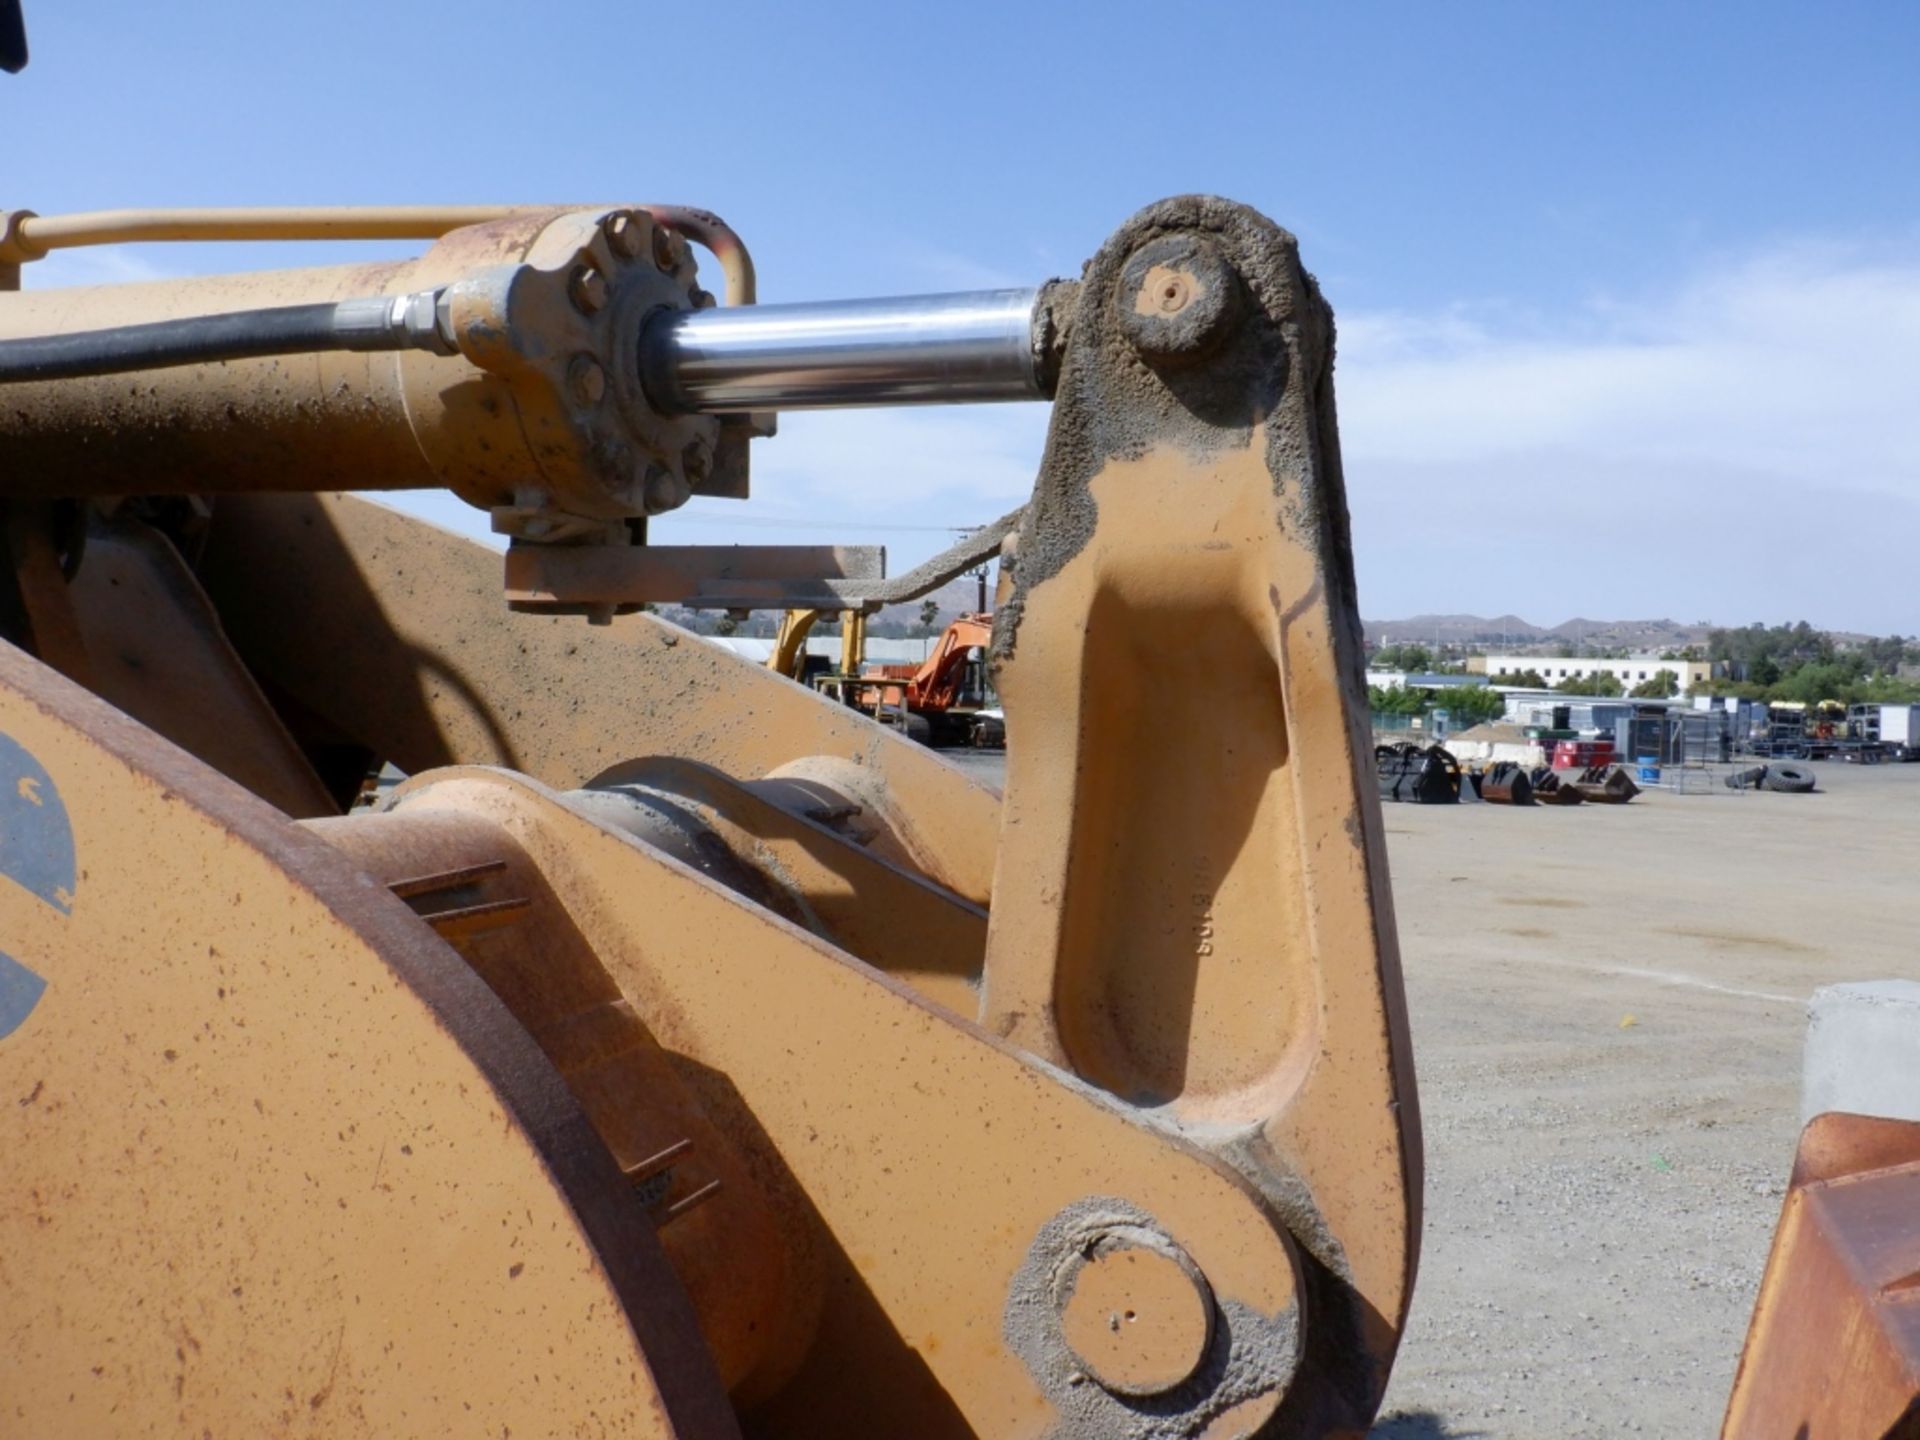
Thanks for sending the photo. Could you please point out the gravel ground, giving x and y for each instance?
(1608, 1009)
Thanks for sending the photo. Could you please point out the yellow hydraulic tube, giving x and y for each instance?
(853, 641)
(26, 236)
(791, 643)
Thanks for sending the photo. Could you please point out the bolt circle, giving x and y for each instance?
(587, 288)
(1177, 299)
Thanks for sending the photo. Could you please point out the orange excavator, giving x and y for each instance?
(947, 699)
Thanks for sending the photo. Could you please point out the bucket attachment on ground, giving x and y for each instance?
(1506, 784)
(1548, 789)
(1606, 785)
(1419, 775)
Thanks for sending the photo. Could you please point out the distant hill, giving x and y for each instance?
(1512, 631)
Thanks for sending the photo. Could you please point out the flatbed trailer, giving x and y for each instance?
(1895, 729)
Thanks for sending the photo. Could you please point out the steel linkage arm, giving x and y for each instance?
(1190, 908)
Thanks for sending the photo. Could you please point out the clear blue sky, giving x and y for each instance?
(1664, 255)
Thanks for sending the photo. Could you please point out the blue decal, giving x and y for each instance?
(36, 842)
(19, 992)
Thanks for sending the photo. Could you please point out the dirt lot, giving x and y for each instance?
(1608, 1007)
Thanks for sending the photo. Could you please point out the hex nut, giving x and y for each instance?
(626, 234)
(664, 490)
(587, 288)
(586, 380)
(666, 249)
(697, 459)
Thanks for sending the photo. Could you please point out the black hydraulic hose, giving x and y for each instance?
(388, 322)
(287, 330)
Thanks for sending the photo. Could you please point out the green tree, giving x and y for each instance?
(1411, 658)
(1664, 685)
(1529, 679)
(1395, 699)
(1465, 704)
(1599, 685)
(1471, 704)
(1837, 679)
(929, 613)
(1885, 656)
(725, 625)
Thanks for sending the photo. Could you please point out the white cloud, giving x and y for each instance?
(1747, 446)
(1798, 364)
(1743, 446)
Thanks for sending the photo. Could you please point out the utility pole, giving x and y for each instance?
(979, 575)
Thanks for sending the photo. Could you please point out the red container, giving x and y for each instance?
(1579, 754)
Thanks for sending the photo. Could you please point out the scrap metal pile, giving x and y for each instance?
(1430, 775)
(1509, 783)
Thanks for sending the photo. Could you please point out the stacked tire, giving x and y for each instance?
(1789, 779)
(1782, 777)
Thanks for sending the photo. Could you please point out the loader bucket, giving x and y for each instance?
(1506, 784)
(1417, 775)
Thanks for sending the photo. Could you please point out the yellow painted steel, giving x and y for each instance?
(276, 1160)
(675, 1051)
(791, 642)
(26, 236)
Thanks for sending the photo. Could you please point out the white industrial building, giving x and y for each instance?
(1630, 672)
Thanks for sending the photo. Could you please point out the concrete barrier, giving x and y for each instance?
(1863, 1050)
(1485, 752)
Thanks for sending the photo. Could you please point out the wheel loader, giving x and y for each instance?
(672, 1051)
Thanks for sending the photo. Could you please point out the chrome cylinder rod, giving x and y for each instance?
(912, 350)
